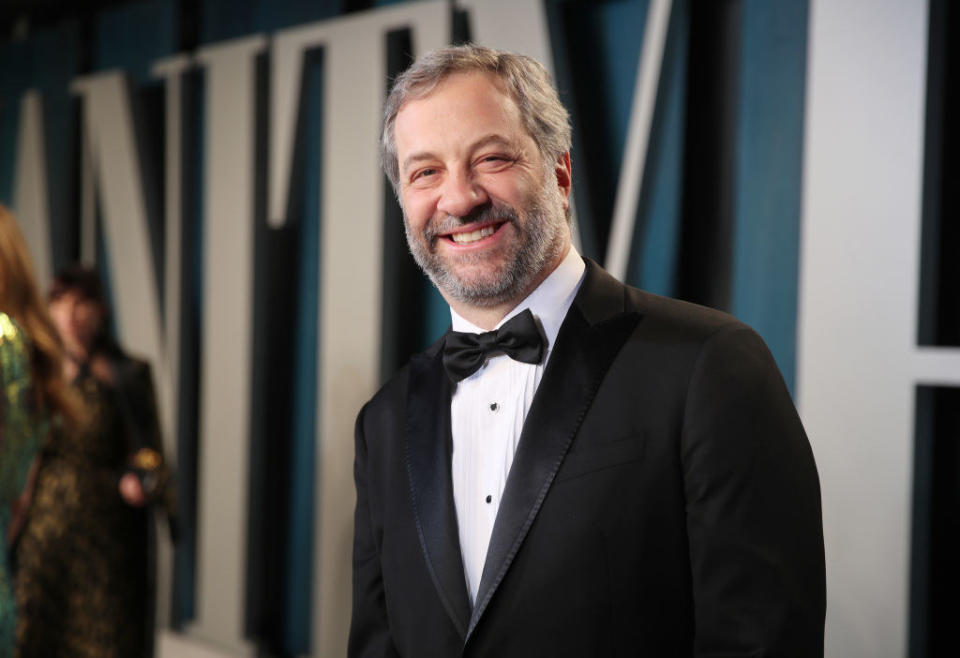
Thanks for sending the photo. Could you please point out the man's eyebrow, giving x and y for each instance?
(490, 140)
(486, 140)
(416, 157)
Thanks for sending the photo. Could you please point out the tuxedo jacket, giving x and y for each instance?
(663, 501)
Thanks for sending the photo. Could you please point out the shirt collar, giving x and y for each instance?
(549, 302)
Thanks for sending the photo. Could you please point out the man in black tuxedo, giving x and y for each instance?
(578, 468)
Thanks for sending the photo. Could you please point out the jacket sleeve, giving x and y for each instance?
(138, 399)
(753, 506)
(369, 626)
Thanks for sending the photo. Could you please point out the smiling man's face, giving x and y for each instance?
(485, 217)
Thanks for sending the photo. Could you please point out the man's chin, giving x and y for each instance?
(477, 289)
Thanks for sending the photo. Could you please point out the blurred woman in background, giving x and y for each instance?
(85, 573)
(35, 401)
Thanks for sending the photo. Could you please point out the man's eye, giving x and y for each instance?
(494, 161)
(422, 173)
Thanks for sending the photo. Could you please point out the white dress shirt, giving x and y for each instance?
(487, 414)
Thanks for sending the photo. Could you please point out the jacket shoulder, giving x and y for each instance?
(686, 338)
(603, 297)
(687, 318)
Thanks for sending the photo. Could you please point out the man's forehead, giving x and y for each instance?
(459, 89)
(471, 77)
(463, 107)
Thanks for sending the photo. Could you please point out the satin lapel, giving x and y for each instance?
(428, 465)
(592, 333)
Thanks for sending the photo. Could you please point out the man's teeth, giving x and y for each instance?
(473, 236)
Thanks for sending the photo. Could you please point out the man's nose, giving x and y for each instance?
(459, 195)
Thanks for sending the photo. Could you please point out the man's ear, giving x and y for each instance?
(564, 175)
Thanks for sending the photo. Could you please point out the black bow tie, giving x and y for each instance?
(519, 338)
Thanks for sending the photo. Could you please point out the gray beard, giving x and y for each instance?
(538, 243)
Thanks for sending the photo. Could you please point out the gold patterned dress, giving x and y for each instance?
(22, 431)
(84, 578)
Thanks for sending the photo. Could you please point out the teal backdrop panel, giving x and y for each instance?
(47, 62)
(134, 36)
(300, 546)
(622, 24)
(230, 19)
(653, 253)
(768, 178)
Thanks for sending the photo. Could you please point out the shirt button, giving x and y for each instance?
(489, 499)
(494, 406)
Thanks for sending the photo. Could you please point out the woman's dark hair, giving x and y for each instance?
(84, 282)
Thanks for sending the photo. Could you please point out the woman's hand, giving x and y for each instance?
(131, 490)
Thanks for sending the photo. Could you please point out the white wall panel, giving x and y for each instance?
(858, 305)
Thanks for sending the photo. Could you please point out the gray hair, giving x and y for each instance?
(524, 78)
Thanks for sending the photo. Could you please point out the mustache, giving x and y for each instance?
(491, 211)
